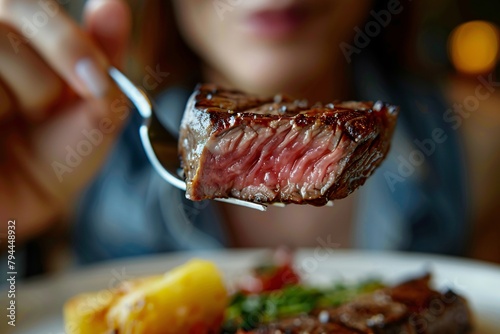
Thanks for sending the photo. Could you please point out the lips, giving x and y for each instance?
(275, 23)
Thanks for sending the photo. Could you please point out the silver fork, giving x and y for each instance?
(159, 144)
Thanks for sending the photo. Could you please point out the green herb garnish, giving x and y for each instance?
(247, 311)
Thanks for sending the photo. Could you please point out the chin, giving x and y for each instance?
(279, 74)
(267, 83)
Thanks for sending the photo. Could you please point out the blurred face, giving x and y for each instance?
(266, 46)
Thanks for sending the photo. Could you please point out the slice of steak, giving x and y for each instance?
(279, 149)
(409, 308)
(433, 312)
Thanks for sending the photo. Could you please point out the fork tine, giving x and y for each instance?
(145, 109)
(136, 95)
(251, 205)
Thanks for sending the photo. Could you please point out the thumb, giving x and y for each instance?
(108, 23)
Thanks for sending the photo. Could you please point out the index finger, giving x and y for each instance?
(60, 42)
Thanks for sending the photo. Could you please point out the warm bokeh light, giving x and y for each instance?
(474, 47)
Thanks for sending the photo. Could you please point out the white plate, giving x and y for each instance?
(39, 303)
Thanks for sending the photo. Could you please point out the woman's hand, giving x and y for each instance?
(59, 111)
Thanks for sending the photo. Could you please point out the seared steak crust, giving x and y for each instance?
(410, 308)
(280, 149)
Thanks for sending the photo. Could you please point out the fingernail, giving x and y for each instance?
(97, 83)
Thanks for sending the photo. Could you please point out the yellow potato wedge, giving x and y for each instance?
(189, 299)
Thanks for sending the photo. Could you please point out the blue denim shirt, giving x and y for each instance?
(415, 201)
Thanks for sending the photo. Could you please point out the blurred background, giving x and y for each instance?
(452, 43)
(457, 41)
